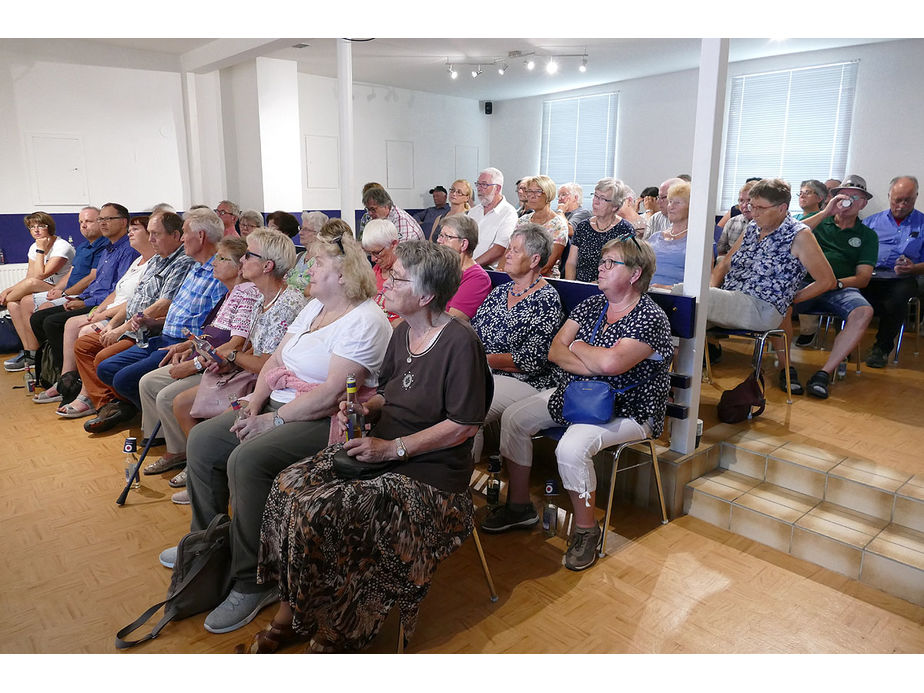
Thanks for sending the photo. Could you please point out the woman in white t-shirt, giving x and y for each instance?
(49, 259)
(236, 456)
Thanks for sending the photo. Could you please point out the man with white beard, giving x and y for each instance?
(495, 216)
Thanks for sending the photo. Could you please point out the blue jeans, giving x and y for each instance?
(123, 371)
(840, 302)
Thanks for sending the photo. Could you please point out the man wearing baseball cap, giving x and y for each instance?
(901, 256)
(430, 214)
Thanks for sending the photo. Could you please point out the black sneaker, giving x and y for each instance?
(582, 549)
(505, 517)
(715, 352)
(877, 357)
(818, 385)
(805, 340)
(794, 385)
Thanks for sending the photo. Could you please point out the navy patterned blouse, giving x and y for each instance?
(591, 244)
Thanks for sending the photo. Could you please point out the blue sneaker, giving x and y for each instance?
(18, 362)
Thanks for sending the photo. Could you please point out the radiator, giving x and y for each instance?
(10, 274)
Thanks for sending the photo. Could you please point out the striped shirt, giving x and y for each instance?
(161, 280)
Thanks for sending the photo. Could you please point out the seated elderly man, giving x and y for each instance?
(900, 259)
(379, 205)
(229, 212)
(851, 248)
(429, 215)
(496, 218)
(736, 225)
(755, 284)
(659, 221)
(570, 197)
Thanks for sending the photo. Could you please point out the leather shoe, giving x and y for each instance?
(110, 415)
(157, 442)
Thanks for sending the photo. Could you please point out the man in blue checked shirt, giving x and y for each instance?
(198, 295)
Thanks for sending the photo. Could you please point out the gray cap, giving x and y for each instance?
(853, 182)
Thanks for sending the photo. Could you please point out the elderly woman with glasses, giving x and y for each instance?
(590, 236)
(344, 552)
(460, 201)
(540, 191)
(812, 197)
(250, 221)
(460, 233)
(380, 238)
(620, 337)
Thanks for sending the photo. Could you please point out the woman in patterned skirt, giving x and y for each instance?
(344, 552)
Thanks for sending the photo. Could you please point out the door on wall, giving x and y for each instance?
(57, 169)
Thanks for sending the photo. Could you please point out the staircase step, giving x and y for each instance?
(864, 486)
(909, 504)
(834, 537)
(894, 562)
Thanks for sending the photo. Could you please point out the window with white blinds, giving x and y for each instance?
(789, 124)
(579, 140)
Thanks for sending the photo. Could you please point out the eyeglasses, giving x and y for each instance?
(456, 191)
(629, 235)
(609, 263)
(482, 186)
(222, 258)
(375, 253)
(600, 198)
(339, 241)
(250, 254)
(245, 225)
(760, 208)
(36, 227)
(806, 193)
(224, 213)
(392, 279)
(108, 219)
(448, 237)
(533, 193)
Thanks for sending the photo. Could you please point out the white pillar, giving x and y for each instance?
(707, 146)
(348, 192)
(280, 134)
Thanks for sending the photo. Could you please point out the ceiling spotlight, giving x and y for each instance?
(530, 63)
(502, 69)
(551, 67)
(583, 67)
(477, 72)
(452, 72)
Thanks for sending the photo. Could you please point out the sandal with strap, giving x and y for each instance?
(269, 640)
(45, 396)
(74, 411)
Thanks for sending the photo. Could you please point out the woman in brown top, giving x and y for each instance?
(345, 551)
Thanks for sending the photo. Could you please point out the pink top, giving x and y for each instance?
(475, 286)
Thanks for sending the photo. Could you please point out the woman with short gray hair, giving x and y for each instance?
(460, 233)
(590, 236)
(250, 221)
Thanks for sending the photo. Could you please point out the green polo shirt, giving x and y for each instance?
(847, 248)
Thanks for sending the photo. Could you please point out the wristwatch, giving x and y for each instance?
(232, 356)
(400, 450)
(39, 251)
(278, 420)
(840, 284)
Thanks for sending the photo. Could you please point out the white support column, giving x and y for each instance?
(345, 101)
(207, 181)
(279, 152)
(707, 146)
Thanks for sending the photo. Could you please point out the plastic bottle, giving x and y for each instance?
(142, 340)
(355, 420)
(493, 489)
(130, 448)
(549, 509)
(28, 377)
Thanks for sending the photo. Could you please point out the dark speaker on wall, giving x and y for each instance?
(488, 108)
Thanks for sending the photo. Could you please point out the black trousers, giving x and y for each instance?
(48, 326)
(889, 298)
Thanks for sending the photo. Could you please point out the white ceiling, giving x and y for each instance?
(420, 63)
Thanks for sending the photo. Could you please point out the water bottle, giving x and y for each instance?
(142, 340)
(28, 378)
(130, 448)
(549, 509)
(238, 407)
(354, 410)
(493, 489)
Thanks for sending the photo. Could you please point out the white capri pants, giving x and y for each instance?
(157, 391)
(575, 451)
(507, 390)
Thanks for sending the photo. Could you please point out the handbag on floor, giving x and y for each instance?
(738, 404)
(9, 338)
(201, 580)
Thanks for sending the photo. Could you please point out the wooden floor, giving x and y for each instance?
(77, 567)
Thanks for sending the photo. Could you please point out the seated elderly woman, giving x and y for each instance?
(590, 236)
(460, 233)
(312, 222)
(345, 551)
(516, 324)
(670, 245)
(540, 191)
(380, 238)
(250, 221)
(620, 337)
(341, 333)
(247, 328)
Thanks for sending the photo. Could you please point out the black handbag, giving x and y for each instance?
(744, 401)
(9, 338)
(347, 467)
(201, 580)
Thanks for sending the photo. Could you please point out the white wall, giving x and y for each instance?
(655, 121)
(130, 120)
(433, 124)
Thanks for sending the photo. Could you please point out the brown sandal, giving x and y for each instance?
(269, 640)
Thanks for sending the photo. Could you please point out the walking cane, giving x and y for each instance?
(144, 453)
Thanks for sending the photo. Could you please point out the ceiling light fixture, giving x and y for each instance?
(551, 66)
(583, 67)
(530, 63)
(476, 72)
(502, 69)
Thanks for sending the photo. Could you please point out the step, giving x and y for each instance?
(865, 547)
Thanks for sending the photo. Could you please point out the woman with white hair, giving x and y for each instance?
(380, 238)
(250, 221)
(590, 236)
